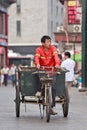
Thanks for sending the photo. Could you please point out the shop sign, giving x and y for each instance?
(3, 42)
(1, 50)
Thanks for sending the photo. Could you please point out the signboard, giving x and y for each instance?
(74, 12)
(71, 3)
(3, 42)
(1, 50)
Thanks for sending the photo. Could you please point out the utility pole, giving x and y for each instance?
(84, 42)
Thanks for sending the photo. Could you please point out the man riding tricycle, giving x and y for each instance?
(45, 82)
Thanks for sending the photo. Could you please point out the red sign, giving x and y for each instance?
(74, 12)
(2, 40)
(1, 50)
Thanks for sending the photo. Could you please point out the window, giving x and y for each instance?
(57, 11)
(61, 12)
(18, 6)
(52, 7)
(18, 28)
(2, 23)
(57, 24)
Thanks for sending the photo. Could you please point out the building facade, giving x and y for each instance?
(72, 26)
(4, 30)
(31, 21)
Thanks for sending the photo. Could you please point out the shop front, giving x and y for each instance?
(4, 4)
(3, 52)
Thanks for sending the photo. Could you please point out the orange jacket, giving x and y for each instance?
(44, 58)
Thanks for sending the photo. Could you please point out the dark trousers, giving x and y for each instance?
(53, 90)
(52, 86)
(5, 79)
(13, 79)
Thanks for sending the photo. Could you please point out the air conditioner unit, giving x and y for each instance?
(77, 28)
(60, 28)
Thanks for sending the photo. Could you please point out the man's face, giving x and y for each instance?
(65, 57)
(47, 43)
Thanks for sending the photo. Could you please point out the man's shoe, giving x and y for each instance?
(38, 94)
(53, 112)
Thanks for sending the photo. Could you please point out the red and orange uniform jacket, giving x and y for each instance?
(44, 58)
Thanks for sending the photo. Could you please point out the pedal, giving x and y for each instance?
(40, 100)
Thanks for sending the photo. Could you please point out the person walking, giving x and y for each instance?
(46, 55)
(13, 71)
(6, 71)
(1, 76)
(69, 64)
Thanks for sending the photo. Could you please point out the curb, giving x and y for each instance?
(83, 89)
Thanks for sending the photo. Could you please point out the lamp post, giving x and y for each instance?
(61, 29)
(74, 40)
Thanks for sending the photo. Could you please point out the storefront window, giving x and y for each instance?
(2, 56)
(2, 23)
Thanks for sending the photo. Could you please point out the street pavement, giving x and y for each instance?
(30, 120)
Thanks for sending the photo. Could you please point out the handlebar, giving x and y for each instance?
(52, 68)
(58, 71)
(43, 69)
(26, 68)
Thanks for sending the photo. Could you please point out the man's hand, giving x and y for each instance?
(57, 67)
(38, 66)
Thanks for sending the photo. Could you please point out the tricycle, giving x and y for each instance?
(26, 88)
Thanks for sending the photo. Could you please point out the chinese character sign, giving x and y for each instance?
(74, 12)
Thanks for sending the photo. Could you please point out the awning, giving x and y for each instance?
(3, 44)
(61, 36)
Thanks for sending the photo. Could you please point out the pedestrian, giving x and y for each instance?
(46, 55)
(69, 64)
(1, 76)
(60, 56)
(6, 71)
(12, 73)
(79, 79)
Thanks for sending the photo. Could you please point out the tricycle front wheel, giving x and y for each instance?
(48, 104)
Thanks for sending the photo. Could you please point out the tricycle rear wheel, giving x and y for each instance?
(17, 102)
(65, 105)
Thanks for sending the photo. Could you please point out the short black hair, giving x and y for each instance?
(67, 54)
(43, 39)
(60, 56)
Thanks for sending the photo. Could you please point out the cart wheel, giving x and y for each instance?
(65, 105)
(48, 104)
(17, 102)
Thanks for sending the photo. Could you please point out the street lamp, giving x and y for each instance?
(74, 40)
